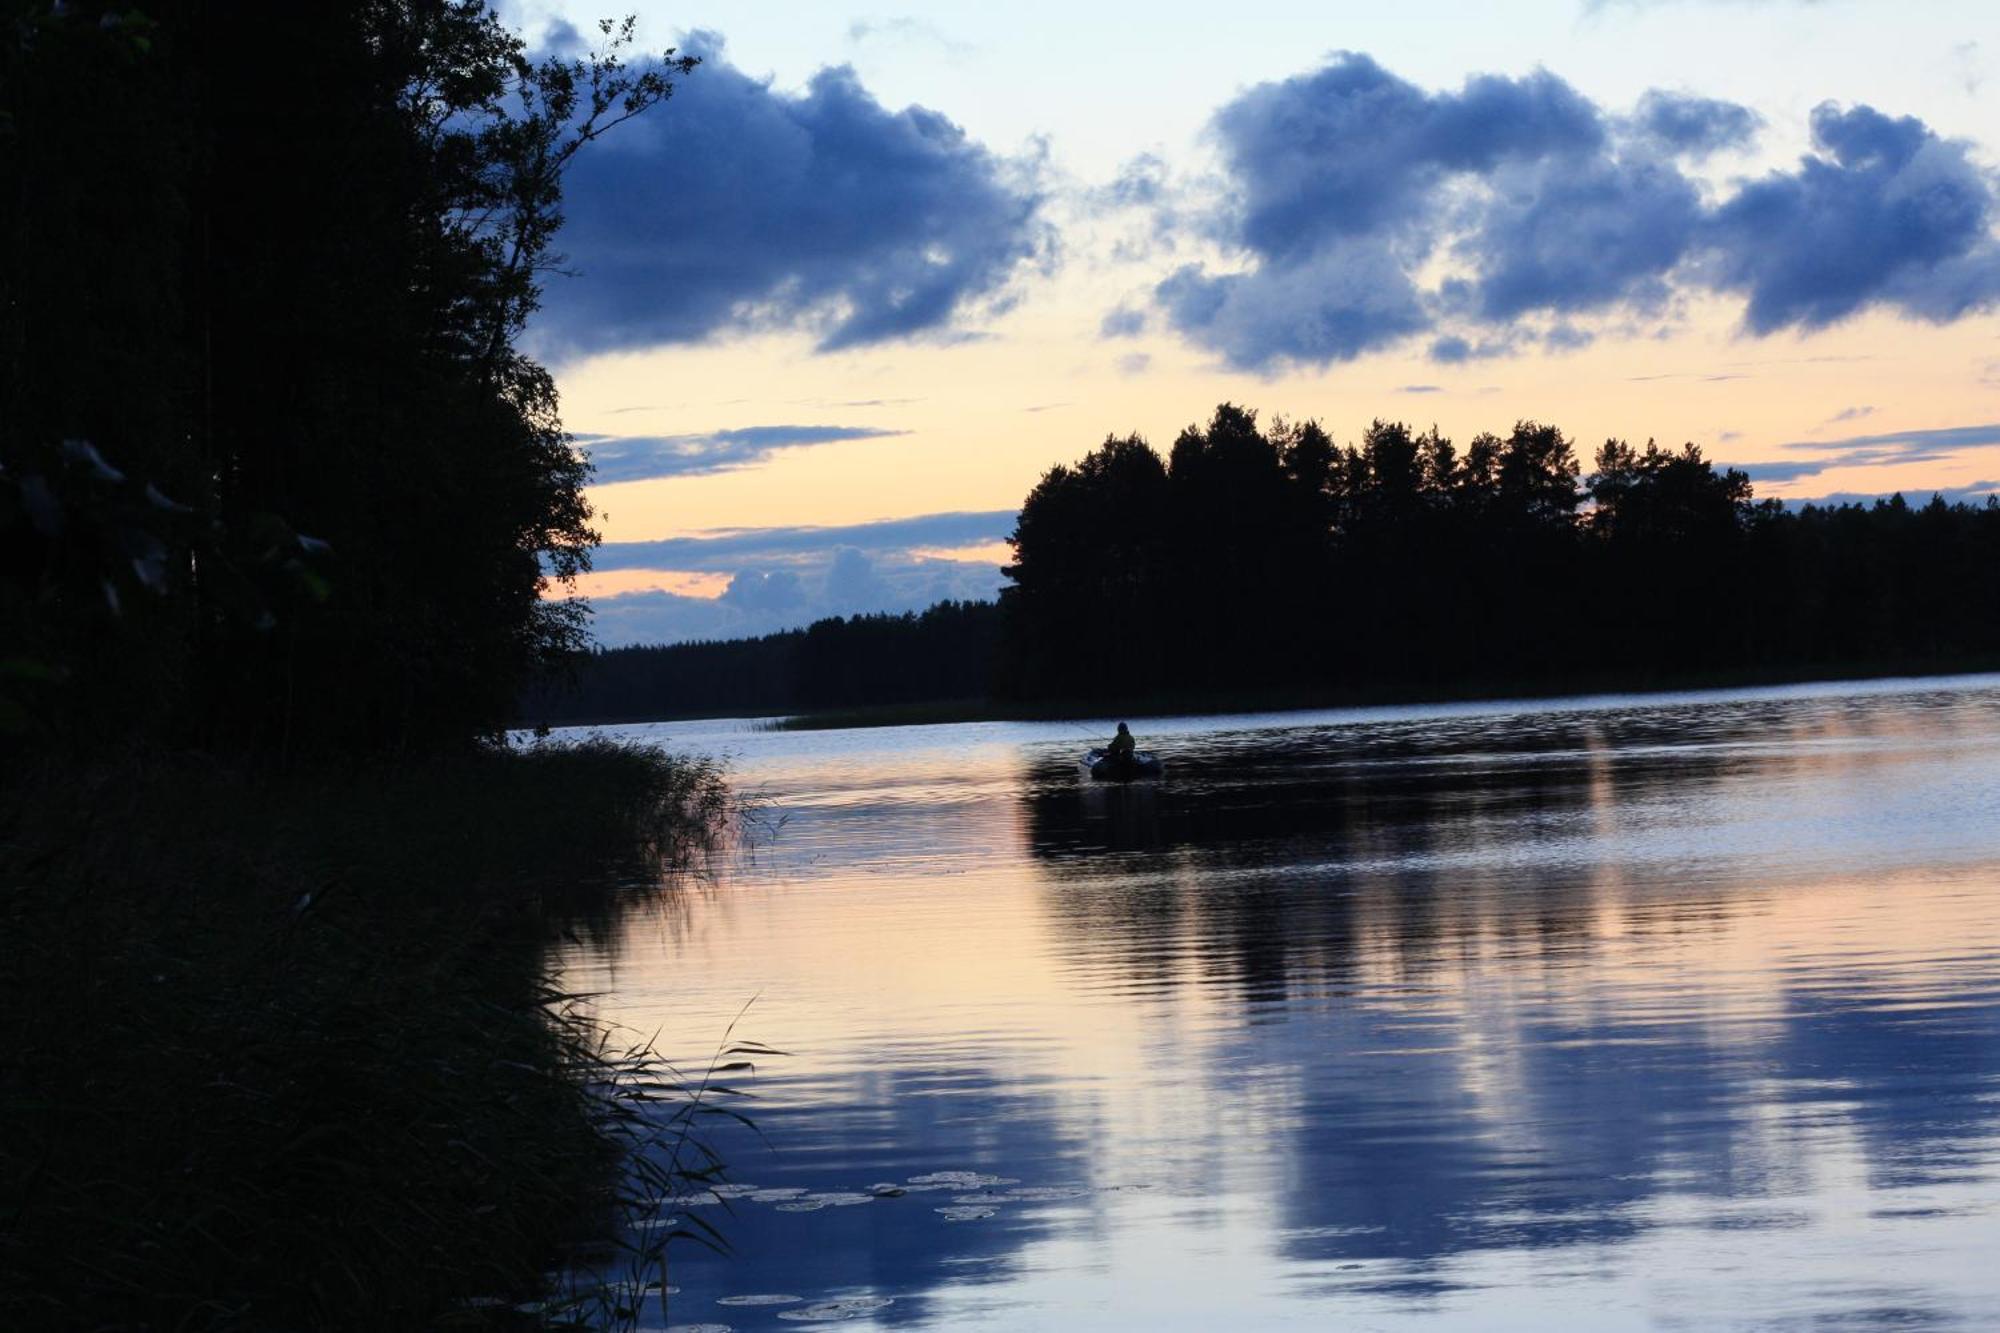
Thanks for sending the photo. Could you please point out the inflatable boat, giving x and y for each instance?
(1106, 768)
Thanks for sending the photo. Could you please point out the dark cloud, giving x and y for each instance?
(757, 590)
(1421, 388)
(1123, 322)
(735, 549)
(1348, 298)
(1452, 350)
(1571, 236)
(1852, 413)
(740, 206)
(1912, 444)
(1783, 471)
(1886, 450)
(1885, 214)
(1696, 126)
(616, 458)
(1353, 150)
(1337, 180)
(1346, 184)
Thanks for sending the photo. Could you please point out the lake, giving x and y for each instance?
(1664, 1012)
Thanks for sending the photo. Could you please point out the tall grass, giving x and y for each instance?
(288, 1053)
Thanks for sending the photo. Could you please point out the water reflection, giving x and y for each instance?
(1620, 1014)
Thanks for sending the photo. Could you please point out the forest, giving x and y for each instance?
(1271, 564)
(943, 653)
(1253, 557)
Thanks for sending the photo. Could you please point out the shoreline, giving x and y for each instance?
(1302, 700)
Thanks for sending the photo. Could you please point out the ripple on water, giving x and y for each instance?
(830, 1312)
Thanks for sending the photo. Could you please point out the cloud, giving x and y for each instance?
(1851, 414)
(1123, 322)
(1452, 350)
(842, 581)
(618, 458)
(1912, 443)
(903, 28)
(1349, 298)
(1360, 210)
(851, 580)
(1141, 182)
(1420, 388)
(756, 590)
(1886, 213)
(733, 549)
(1886, 450)
(737, 206)
(1696, 126)
(785, 577)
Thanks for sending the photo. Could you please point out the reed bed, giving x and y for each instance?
(287, 1052)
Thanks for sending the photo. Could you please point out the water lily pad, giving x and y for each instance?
(964, 1180)
(699, 1328)
(887, 1190)
(762, 1298)
(648, 1225)
(1043, 1194)
(965, 1212)
(829, 1312)
(733, 1191)
(775, 1195)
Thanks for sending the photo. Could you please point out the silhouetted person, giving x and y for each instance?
(1121, 746)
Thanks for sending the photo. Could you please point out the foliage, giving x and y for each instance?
(276, 271)
(945, 652)
(287, 1054)
(1272, 559)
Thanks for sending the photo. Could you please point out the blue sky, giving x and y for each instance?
(871, 268)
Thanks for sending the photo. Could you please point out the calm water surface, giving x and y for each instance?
(1664, 1012)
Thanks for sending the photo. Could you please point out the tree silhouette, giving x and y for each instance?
(278, 274)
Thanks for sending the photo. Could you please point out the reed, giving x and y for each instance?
(287, 1052)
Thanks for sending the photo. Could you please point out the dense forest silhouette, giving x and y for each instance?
(1256, 562)
(1271, 557)
(276, 477)
(944, 653)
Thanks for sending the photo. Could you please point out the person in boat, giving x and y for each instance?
(1121, 747)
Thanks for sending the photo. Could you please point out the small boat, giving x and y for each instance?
(1107, 768)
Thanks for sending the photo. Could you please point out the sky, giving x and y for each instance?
(836, 306)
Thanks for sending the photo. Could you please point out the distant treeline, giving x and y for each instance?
(946, 652)
(1269, 560)
(1253, 558)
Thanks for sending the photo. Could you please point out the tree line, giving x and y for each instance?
(946, 652)
(1256, 557)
